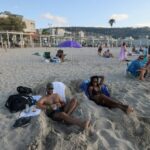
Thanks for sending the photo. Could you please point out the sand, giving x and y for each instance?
(110, 129)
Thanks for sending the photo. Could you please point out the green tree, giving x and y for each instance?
(12, 23)
(111, 22)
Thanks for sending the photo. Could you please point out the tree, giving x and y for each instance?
(111, 22)
(12, 23)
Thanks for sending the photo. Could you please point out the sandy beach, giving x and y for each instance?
(110, 129)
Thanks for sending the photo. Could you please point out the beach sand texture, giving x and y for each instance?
(110, 129)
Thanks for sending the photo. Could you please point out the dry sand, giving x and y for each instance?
(110, 129)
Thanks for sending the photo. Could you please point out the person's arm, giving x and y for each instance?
(41, 104)
(90, 89)
(101, 80)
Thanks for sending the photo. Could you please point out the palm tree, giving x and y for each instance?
(111, 22)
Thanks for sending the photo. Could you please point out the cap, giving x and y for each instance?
(50, 86)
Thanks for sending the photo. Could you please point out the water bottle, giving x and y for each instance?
(27, 108)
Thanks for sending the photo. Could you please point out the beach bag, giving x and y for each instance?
(18, 102)
(46, 55)
(55, 60)
(24, 90)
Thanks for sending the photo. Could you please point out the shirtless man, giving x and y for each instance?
(56, 109)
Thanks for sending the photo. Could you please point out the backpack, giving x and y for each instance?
(24, 90)
(18, 102)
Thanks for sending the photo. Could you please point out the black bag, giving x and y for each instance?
(24, 90)
(18, 102)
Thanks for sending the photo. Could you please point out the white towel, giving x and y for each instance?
(59, 88)
(31, 112)
(36, 97)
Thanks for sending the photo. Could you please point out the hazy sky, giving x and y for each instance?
(95, 13)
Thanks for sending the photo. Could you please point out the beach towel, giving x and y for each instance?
(59, 88)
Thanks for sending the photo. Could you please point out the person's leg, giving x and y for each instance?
(71, 106)
(142, 72)
(110, 103)
(71, 120)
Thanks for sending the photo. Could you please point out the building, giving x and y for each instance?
(30, 26)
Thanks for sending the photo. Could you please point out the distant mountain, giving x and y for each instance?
(114, 32)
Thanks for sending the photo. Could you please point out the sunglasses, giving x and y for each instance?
(49, 88)
(95, 81)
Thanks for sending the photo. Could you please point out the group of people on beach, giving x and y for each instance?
(137, 68)
(58, 110)
(106, 54)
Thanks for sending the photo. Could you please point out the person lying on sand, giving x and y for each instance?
(137, 68)
(56, 109)
(100, 99)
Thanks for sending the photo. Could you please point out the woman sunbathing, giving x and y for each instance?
(101, 99)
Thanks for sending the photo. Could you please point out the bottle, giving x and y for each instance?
(27, 108)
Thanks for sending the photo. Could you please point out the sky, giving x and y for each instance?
(85, 13)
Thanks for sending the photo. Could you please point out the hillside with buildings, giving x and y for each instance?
(11, 35)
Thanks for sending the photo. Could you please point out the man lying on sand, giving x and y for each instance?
(101, 99)
(56, 109)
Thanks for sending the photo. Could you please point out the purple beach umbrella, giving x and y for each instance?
(70, 43)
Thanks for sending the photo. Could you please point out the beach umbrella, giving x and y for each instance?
(70, 43)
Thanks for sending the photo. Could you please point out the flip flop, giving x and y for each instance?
(22, 122)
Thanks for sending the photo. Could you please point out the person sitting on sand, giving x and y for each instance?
(58, 110)
(101, 99)
(60, 54)
(137, 68)
(107, 54)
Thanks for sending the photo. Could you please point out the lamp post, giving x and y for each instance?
(40, 33)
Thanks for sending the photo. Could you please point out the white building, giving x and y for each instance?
(30, 25)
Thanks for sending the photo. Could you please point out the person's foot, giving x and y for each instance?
(86, 124)
(129, 109)
(142, 79)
